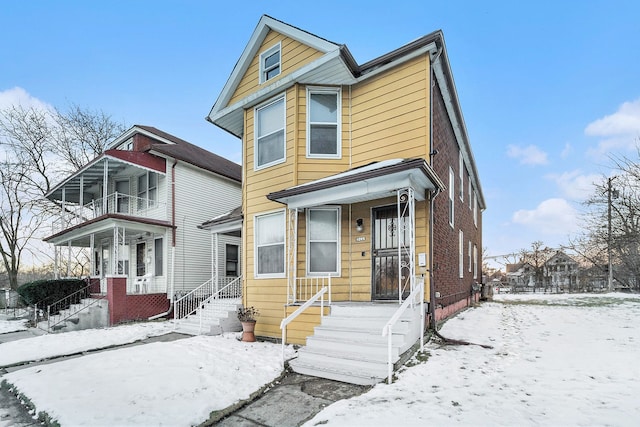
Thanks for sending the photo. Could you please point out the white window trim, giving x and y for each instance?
(475, 209)
(475, 262)
(461, 254)
(265, 54)
(338, 92)
(257, 275)
(282, 98)
(461, 174)
(337, 273)
(452, 196)
(470, 255)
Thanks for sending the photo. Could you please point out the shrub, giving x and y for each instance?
(46, 292)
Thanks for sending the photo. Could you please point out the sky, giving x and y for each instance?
(549, 90)
(545, 367)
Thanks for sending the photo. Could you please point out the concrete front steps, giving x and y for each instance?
(212, 318)
(90, 313)
(348, 345)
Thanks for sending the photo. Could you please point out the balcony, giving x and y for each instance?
(113, 204)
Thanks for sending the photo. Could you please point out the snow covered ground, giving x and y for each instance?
(556, 360)
(7, 326)
(174, 383)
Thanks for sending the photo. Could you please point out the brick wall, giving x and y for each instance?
(452, 288)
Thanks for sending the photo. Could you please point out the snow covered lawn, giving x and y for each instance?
(7, 326)
(556, 360)
(53, 345)
(174, 383)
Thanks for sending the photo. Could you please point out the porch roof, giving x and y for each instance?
(103, 226)
(373, 181)
(93, 172)
(229, 221)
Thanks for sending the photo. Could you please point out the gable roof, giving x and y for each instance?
(177, 148)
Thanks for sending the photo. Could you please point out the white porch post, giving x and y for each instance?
(292, 255)
(69, 258)
(63, 208)
(56, 263)
(81, 198)
(92, 255)
(217, 261)
(105, 189)
(406, 239)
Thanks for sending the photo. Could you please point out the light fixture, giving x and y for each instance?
(359, 225)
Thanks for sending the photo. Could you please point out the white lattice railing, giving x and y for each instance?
(231, 287)
(115, 203)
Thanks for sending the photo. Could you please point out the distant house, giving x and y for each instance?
(561, 273)
(359, 184)
(521, 275)
(136, 209)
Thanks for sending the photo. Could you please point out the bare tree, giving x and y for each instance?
(37, 148)
(536, 257)
(82, 134)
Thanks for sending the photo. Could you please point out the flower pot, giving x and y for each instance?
(247, 331)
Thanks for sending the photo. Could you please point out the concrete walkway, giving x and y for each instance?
(292, 401)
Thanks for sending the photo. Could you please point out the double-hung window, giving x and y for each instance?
(323, 123)
(269, 134)
(270, 63)
(147, 190)
(323, 242)
(461, 254)
(452, 192)
(269, 245)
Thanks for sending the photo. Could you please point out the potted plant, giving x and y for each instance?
(247, 316)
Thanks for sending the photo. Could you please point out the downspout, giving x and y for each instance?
(432, 196)
(173, 244)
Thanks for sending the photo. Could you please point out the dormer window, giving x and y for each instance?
(270, 63)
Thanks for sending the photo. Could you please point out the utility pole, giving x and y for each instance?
(610, 194)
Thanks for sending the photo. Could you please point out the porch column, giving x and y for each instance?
(105, 181)
(406, 231)
(92, 255)
(292, 255)
(63, 214)
(81, 197)
(69, 258)
(217, 261)
(56, 263)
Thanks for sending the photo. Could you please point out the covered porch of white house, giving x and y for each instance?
(134, 249)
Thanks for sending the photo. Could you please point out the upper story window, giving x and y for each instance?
(323, 123)
(475, 209)
(269, 134)
(270, 63)
(452, 195)
(147, 190)
(461, 173)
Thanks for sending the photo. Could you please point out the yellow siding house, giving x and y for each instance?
(342, 164)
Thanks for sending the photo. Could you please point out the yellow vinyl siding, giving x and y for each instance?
(293, 55)
(390, 114)
(383, 117)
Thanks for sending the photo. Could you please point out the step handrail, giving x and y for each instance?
(85, 306)
(206, 292)
(387, 329)
(299, 310)
(216, 295)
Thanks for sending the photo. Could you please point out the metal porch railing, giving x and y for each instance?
(69, 306)
(205, 293)
(115, 203)
(414, 298)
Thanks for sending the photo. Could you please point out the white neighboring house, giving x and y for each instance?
(136, 208)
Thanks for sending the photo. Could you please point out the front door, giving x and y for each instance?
(385, 265)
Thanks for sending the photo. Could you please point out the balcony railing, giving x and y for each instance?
(115, 203)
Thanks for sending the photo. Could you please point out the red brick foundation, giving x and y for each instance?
(123, 307)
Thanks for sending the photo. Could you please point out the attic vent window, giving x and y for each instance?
(270, 63)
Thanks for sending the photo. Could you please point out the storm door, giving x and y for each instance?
(385, 265)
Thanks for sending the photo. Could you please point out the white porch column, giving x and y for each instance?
(92, 255)
(63, 207)
(56, 263)
(105, 182)
(69, 258)
(81, 196)
(292, 255)
(217, 261)
(406, 231)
